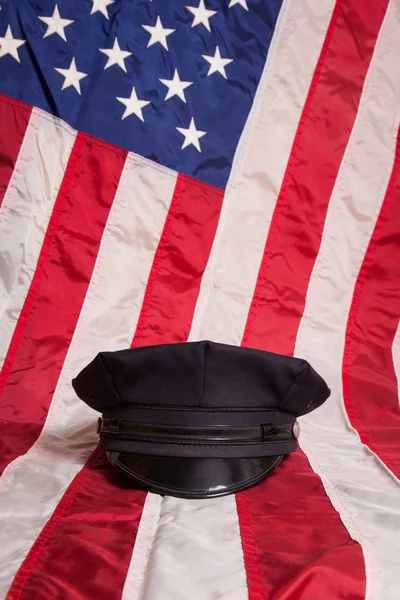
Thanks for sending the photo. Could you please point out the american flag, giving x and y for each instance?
(200, 169)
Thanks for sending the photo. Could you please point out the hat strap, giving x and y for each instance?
(217, 434)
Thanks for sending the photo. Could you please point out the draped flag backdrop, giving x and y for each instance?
(200, 169)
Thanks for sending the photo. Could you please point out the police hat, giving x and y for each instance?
(198, 419)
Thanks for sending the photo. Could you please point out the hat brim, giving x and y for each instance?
(193, 477)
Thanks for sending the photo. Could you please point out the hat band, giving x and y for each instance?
(217, 434)
(197, 416)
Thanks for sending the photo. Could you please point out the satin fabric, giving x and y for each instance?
(31, 487)
(182, 551)
(281, 563)
(147, 231)
(219, 105)
(371, 384)
(14, 119)
(85, 553)
(48, 280)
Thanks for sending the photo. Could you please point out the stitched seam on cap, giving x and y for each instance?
(296, 382)
(112, 378)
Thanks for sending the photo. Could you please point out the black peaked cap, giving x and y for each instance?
(198, 419)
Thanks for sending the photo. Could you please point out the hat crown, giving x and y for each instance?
(201, 375)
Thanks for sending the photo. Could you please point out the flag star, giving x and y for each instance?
(241, 2)
(72, 76)
(133, 105)
(176, 86)
(56, 24)
(192, 136)
(217, 63)
(10, 45)
(101, 6)
(116, 56)
(202, 16)
(158, 34)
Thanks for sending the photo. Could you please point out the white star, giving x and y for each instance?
(10, 45)
(56, 24)
(72, 76)
(116, 56)
(158, 34)
(101, 6)
(133, 105)
(176, 86)
(192, 136)
(201, 15)
(241, 2)
(217, 63)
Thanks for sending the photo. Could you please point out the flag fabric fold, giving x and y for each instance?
(224, 170)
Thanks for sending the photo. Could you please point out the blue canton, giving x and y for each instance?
(172, 80)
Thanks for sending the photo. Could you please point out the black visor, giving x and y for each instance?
(193, 477)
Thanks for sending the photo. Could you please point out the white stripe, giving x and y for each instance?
(137, 577)
(362, 490)
(259, 167)
(396, 358)
(33, 484)
(198, 545)
(196, 553)
(26, 210)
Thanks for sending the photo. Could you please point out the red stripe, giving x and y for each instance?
(179, 263)
(295, 545)
(85, 547)
(369, 379)
(53, 303)
(97, 520)
(14, 119)
(324, 129)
